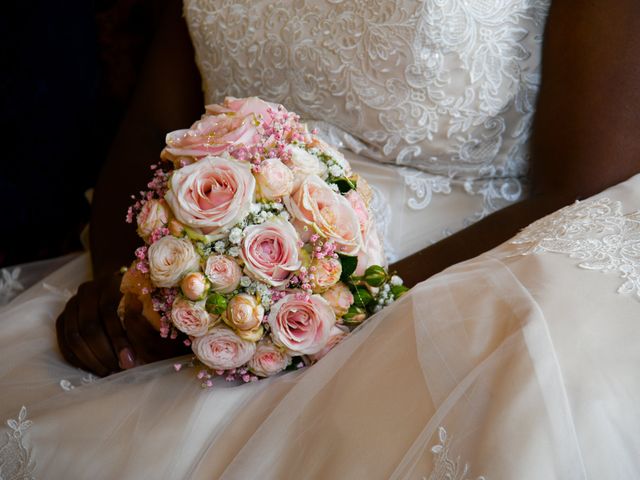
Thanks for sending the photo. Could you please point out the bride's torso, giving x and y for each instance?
(434, 98)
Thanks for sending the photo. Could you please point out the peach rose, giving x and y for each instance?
(153, 215)
(326, 272)
(359, 206)
(339, 297)
(223, 273)
(170, 258)
(190, 318)
(194, 286)
(221, 129)
(314, 203)
(211, 195)
(244, 312)
(337, 334)
(268, 360)
(222, 349)
(301, 323)
(270, 251)
(274, 178)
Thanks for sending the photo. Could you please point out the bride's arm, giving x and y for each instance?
(168, 97)
(585, 135)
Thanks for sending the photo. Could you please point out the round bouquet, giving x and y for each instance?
(260, 249)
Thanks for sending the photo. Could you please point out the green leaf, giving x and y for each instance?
(349, 265)
(345, 184)
(399, 290)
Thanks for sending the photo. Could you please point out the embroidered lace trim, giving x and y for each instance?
(597, 233)
(446, 467)
(15, 459)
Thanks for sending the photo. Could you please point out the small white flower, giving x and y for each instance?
(334, 187)
(255, 208)
(234, 251)
(395, 280)
(262, 288)
(277, 206)
(219, 246)
(245, 281)
(235, 236)
(285, 215)
(266, 301)
(336, 170)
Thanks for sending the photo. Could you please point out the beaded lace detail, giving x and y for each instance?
(597, 233)
(445, 86)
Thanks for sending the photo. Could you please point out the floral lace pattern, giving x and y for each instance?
(15, 459)
(10, 285)
(597, 233)
(445, 467)
(446, 86)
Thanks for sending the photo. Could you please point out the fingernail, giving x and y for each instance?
(127, 359)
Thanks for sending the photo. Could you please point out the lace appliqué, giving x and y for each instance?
(445, 467)
(10, 286)
(15, 459)
(445, 86)
(424, 186)
(595, 232)
(67, 385)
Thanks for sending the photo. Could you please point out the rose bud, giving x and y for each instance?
(216, 304)
(399, 290)
(194, 286)
(355, 315)
(375, 275)
(244, 312)
(362, 297)
(339, 297)
(326, 273)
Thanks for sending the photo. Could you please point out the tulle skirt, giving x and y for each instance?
(518, 364)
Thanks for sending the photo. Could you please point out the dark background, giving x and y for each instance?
(68, 72)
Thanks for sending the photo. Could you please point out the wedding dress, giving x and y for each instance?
(518, 364)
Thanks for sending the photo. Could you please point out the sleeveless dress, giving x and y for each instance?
(520, 363)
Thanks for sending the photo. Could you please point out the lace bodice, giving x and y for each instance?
(446, 86)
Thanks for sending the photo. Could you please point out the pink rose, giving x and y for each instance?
(339, 297)
(222, 349)
(221, 129)
(326, 272)
(190, 318)
(314, 203)
(301, 323)
(212, 194)
(154, 214)
(337, 334)
(372, 252)
(244, 312)
(270, 251)
(274, 178)
(194, 286)
(359, 206)
(223, 273)
(268, 360)
(170, 258)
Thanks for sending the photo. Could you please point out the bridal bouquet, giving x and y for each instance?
(260, 249)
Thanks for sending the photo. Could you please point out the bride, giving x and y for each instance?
(517, 363)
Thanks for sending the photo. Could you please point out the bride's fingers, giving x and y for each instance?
(76, 343)
(109, 313)
(91, 329)
(67, 353)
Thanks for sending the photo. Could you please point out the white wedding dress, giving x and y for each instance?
(518, 364)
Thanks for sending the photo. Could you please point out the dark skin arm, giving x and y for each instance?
(585, 136)
(585, 140)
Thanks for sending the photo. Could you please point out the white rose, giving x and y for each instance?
(303, 164)
(275, 179)
(170, 258)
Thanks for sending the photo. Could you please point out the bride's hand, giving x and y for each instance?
(92, 336)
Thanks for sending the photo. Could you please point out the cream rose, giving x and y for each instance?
(268, 360)
(190, 318)
(169, 259)
(153, 215)
(270, 251)
(301, 324)
(337, 334)
(326, 272)
(211, 195)
(372, 252)
(194, 286)
(223, 273)
(303, 164)
(222, 349)
(314, 203)
(274, 178)
(339, 297)
(244, 312)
